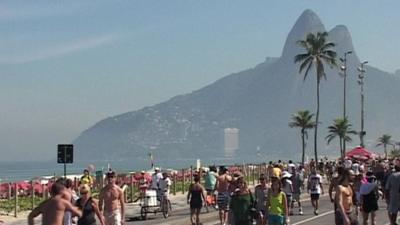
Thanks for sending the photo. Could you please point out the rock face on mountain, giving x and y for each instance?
(259, 102)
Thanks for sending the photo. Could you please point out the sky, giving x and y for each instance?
(65, 65)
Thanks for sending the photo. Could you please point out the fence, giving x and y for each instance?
(24, 196)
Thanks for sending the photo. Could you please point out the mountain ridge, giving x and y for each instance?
(258, 101)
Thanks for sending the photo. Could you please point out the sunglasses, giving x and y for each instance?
(84, 192)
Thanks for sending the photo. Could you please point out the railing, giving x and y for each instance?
(21, 196)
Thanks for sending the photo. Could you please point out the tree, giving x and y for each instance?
(317, 53)
(385, 140)
(302, 120)
(340, 128)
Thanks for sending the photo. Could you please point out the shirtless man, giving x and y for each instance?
(113, 198)
(222, 187)
(53, 209)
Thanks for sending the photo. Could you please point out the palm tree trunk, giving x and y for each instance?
(384, 147)
(341, 148)
(316, 123)
(304, 147)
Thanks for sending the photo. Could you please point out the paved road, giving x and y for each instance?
(180, 215)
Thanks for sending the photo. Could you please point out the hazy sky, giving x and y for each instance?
(64, 65)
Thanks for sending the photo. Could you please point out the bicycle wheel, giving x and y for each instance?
(170, 206)
(165, 209)
(143, 213)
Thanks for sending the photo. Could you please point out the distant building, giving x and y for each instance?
(231, 141)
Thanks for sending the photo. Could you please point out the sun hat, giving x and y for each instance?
(286, 174)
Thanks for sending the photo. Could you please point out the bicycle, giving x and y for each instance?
(165, 205)
(211, 201)
(154, 204)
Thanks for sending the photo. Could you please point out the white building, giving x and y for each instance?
(231, 141)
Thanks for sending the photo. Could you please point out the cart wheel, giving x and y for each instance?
(165, 209)
(143, 213)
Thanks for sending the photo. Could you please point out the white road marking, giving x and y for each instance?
(313, 218)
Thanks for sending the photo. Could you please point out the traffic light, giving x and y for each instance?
(65, 154)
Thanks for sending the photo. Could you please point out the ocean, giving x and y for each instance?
(27, 170)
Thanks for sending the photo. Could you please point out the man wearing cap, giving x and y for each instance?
(155, 178)
(112, 197)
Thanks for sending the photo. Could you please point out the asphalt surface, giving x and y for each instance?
(180, 214)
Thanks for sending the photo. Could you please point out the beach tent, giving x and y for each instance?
(360, 153)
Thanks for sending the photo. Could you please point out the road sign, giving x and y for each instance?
(65, 154)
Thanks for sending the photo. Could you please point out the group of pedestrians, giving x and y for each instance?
(354, 189)
(66, 207)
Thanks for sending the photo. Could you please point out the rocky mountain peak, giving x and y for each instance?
(306, 23)
(341, 36)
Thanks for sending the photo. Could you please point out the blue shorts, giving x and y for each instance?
(275, 219)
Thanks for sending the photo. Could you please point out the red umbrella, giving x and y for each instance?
(22, 185)
(360, 153)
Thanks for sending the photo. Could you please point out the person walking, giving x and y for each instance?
(297, 183)
(392, 188)
(53, 209)
(89, 207)
(241, 203)
(195, 198)
(112, 197)
(287, 187)
(223, 197)
(369, 198)
(345, 213)
(261, 196)
(315, 188)
(277, 204)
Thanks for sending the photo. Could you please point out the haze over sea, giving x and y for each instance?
(26, 170)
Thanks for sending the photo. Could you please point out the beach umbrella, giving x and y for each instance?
(23, 185)
(360, 153)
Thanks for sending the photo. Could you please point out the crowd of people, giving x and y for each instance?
(66, 207)
(354, 188)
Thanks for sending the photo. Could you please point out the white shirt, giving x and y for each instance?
(314, 182)
(287, 186)
(164, 185)
(155, 180)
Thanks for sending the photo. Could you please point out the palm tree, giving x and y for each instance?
(340, 128)
(303, 120)
(385, 140)
(317, 53)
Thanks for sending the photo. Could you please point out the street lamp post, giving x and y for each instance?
(344, 69)
(361, 83)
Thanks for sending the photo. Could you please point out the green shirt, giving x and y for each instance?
(276, 204)
(240, 205)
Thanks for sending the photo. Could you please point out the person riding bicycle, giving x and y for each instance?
(165, 184)
(210, 179)
(155, 181)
